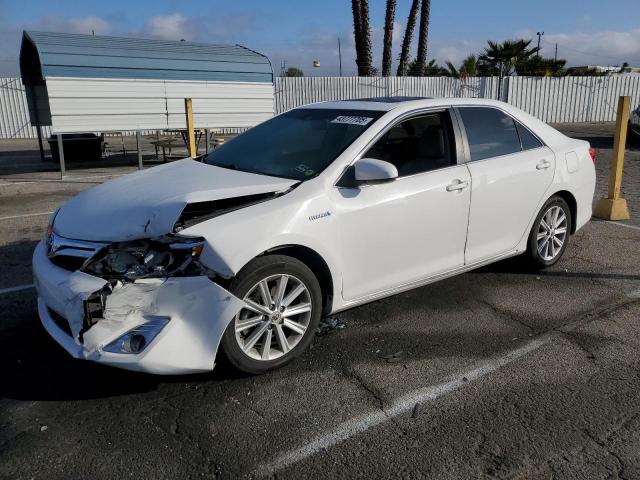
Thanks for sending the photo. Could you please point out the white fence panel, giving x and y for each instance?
(573, 99)
(292, 92)
(14, 111)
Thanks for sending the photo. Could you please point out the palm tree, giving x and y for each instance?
(357, 30)
(536, 66)
(388, 37)
(502, 58)
(468, 68)
(452, 70)
(362, 36)
(421, 58)
(406, 42)
(431, 69)
(366, 38)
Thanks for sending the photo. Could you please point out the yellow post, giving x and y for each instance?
(191, 136)
(613, 207)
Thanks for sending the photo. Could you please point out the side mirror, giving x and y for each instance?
(368, 170)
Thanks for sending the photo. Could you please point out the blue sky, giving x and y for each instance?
(587, 31)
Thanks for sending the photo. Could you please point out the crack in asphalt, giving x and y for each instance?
(352, 375)
(602, 445)
(249, 408)
(507, 314)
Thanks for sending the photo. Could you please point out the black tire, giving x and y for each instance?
(539, 258)
(244, 283)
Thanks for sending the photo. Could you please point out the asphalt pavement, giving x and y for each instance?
(499, 372)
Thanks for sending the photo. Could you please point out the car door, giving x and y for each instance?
(510, 170)
(402, 231)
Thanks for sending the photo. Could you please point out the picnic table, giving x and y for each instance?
(199, 132)
(164, 143)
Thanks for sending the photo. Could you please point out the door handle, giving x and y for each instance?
(457, 185)
(543, 165)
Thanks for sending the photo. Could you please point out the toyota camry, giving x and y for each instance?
(241, 251)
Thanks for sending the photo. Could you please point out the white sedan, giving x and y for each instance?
(328, 206)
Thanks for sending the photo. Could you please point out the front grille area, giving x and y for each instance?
(68, 262)
(69, 253)
(60, 321)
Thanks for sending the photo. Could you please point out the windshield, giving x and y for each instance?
(297, 145)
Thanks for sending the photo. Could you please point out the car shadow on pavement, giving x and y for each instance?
(517, 265)
(33, 367)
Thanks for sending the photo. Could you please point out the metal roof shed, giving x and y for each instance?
(80, 83)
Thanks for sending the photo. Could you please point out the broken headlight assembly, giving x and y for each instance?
(166, 256)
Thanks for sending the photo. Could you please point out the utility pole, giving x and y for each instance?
(555, 56)
(340, 56)
(540, 34)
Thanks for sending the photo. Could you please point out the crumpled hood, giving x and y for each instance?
(148, 203)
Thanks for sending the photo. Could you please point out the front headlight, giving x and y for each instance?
(49, 234)
(166, 256)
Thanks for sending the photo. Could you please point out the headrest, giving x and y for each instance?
(431, 144)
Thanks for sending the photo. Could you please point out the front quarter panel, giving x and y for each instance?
(303, 217)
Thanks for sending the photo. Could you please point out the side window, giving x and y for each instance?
(529, 140)
(417, 145)
(490, 132)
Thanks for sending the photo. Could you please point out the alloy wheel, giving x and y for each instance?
(552, 233)
(275, 317)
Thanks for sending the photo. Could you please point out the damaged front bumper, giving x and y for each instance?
(198, 310)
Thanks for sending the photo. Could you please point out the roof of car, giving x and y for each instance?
(392, 103)
(400, 105)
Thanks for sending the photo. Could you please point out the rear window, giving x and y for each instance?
(490, 132)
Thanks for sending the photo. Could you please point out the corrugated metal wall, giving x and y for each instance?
(573, 99)
(566, 99)
(14, 112)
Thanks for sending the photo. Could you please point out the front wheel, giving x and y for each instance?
(549, 235)
(283, 306)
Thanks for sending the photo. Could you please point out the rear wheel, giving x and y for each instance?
(549, 235)
(283, 305)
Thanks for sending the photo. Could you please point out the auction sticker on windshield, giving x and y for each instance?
(352, 120)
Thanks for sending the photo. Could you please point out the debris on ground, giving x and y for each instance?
(393, 357)
(328, 324)
(416, 411)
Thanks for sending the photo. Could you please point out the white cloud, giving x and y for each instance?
(595, 48)
(169, 27)
(85, 25)
(592, 48)
(89, 24)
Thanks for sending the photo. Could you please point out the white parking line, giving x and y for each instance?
(402, 405)
(25, 215)
(19, 288)
(621, 224)
(68, 179)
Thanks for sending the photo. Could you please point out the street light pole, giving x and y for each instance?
(340, 56)
(540, 34)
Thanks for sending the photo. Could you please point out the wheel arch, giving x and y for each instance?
(568, 197)
(316, 263)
